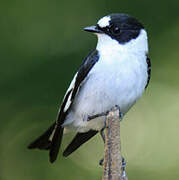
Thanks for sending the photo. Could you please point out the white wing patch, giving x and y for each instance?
(104, 22)
(72, 85)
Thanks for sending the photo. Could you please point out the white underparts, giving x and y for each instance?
(118, 78)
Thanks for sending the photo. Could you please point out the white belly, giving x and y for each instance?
(118, 82)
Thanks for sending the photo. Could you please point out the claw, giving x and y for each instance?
(101, 161)
(121, 115)
(123, 167)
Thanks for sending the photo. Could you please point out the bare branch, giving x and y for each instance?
(112, 152)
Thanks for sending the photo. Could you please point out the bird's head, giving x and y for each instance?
(120, 28)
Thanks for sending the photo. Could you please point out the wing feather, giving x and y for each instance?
(72, 91)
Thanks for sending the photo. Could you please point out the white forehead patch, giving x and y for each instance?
(104, 22)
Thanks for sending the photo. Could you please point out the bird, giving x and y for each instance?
(115, 73)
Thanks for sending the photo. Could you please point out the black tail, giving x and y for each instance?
(43, 141)
(46, 143)
(78, 140)
(53, 144)
(56, 142)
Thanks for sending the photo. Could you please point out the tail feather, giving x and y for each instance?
(43, 141)
(49, 140)
(52, 138)
(56, 143)
(78, 140)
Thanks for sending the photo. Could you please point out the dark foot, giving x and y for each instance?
(101, 161)
(123, 167)
(120, 113)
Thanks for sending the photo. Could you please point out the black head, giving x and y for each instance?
(120, 27)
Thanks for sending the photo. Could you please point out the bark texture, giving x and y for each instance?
(112, 151)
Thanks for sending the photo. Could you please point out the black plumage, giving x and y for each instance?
(56, 130)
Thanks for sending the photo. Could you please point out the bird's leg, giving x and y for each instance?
(103, 138)
(121, 115)
(102, 134)
(89, 118)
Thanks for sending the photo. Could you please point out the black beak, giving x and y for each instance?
(93, 29)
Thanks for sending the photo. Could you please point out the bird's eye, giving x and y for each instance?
(116, 30)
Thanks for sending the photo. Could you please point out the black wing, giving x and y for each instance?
(84, 69)
(148, 70)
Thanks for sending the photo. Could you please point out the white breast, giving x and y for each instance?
(118, 78)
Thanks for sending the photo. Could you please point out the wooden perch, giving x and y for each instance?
(112, 152)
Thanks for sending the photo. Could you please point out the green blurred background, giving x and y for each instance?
(41, 46)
